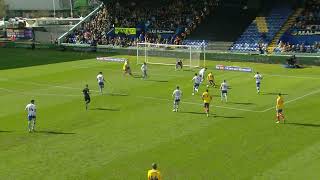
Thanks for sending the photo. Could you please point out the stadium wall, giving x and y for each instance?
(15, 5)
(306, 59)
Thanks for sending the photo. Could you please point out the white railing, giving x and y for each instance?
(60, 39)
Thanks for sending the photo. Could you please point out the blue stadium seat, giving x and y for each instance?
(250, 39)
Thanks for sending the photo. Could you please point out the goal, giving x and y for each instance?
(167, 54)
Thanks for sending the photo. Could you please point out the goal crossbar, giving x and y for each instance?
(167, 54)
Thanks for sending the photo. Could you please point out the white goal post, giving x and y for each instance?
(167, 54)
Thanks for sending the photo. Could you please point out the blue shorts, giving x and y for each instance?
(258, 84)
(101, 84)
(30, 117)
(224, 92)
(279, 111)
(196, 85)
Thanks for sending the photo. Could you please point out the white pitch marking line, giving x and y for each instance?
(295, 99)
(155, 98)
(144, 97)
(223, 107)
(186, 102)
(300, 77)
(153, 74)
(277, 75)
(238, 109)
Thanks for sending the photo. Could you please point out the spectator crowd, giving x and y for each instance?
(309, 20)
(298, 48)
(164, 21)
(308, 23)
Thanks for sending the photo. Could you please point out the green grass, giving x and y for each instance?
(16, 58)
(132, 125)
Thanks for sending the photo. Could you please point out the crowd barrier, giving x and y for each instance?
(306, 59)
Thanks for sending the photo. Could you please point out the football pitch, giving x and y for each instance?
(132, 125)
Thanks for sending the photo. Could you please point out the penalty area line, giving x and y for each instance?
(290, 76)
(295, 99)
(155, 98)
(144, 97)
(199, 104)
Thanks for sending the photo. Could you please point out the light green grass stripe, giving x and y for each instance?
(303, 165)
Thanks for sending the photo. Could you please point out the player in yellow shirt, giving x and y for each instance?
(126, 68)
(279, 108)
(206, 97)
(210, 78)
(154, 174)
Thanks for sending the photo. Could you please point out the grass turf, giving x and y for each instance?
(132, 125)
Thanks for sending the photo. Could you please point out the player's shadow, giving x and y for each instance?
(229, 117)
(189, 112)
(212, 115)
(118, 94)
(242, 103)
(105, 109)
(274, 93)
(161, 81)
(5, 131)
(304, 124)
(136, 76)
(54, 132)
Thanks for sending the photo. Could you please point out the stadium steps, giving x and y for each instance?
(251, 39)
(262, 24)
(85, 19)
(291, 20)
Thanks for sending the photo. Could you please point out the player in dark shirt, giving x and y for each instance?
(86, 94)
(179, 64)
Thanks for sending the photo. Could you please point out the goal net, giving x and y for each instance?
(166, 54)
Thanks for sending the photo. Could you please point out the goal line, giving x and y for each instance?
(166, 54)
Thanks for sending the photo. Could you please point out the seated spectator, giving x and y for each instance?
(298, 48)
(169, 16)
(309, 20)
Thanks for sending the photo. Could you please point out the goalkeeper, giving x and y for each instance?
(144, 69)
(179, 64)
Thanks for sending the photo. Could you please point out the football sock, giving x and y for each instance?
(29, 125)
(33, 124)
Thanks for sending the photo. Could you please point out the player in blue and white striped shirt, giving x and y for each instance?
(177, 93)
(31, 109)
(197, 81)
(258, 78)
(224, 91)
(101, 81)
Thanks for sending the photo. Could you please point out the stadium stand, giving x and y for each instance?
(262, 31)
(303, 35)
(168, 22)
(232, 21)
(195, 43)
